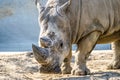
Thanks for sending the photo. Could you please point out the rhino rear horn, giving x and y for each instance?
(39, 6)
(65, 5)
(40, 54)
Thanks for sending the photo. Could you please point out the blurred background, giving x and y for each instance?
(19, 26)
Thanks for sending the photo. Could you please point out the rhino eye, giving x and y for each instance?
(61, 44)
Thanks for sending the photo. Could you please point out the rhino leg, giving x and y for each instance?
(115, 64)
(65, 67)
(85, 46)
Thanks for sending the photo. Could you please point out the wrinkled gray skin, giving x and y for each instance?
(82, 22)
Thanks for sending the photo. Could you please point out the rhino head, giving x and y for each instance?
(54, 40)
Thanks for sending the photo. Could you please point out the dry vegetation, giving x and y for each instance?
(24, 67)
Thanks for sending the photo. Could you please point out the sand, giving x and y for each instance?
(23, 66)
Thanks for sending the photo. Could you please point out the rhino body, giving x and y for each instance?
(82, 22)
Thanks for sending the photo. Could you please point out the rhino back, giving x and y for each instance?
(107, 12)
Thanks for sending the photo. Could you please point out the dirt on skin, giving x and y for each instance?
(25, 67)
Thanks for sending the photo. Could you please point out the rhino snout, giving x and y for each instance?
(40, 54)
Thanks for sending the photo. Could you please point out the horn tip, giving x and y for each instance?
(33, 45)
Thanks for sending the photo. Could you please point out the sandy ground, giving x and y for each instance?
(24, 67)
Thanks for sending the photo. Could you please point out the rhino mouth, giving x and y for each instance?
(40, 54)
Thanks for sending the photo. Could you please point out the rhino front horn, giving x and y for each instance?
(40, 54)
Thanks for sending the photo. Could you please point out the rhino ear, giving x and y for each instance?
(39, 6)
(65, 6)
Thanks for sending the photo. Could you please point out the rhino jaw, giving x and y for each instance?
(40, 54)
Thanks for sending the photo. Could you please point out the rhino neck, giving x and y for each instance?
(74, 16)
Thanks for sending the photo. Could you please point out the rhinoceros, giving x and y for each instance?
(82, 22)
